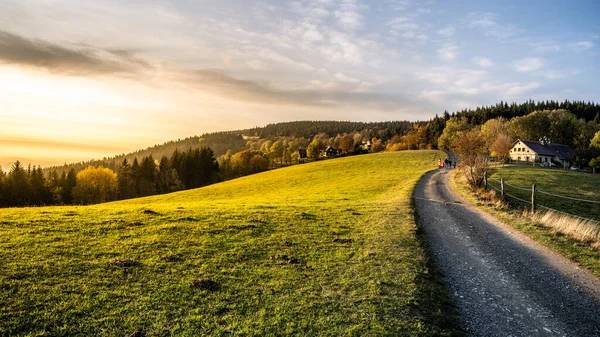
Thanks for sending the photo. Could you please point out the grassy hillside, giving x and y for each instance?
(327, 248)
(556, 181)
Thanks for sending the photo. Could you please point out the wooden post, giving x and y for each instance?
(485, 180)
(533, 198)
(502, 188)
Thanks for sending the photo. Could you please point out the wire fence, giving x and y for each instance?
(503, 188)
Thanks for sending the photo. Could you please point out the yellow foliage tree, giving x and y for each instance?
(96, 185)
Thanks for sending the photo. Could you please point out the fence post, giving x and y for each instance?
(533, 198)
(502, 188)
(485, 177)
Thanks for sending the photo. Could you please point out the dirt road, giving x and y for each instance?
(503, 283)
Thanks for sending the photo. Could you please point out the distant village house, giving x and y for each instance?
(331, 151)
(541, 152)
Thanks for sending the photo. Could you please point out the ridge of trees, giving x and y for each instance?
(182, 170)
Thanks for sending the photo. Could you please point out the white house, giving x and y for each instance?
(541, 152)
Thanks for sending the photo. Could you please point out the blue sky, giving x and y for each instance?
(110, 76)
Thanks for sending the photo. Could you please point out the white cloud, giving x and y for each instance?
(448, 53)
(517, 90)
(482, 62)
(528, 64)
(582, 45)
(348, 15)
(546, 47)
(447, 31)
(398, 5)
(488, 24)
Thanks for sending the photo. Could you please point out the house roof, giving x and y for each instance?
(549, 149)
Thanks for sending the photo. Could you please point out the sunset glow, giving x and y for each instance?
(82, 80)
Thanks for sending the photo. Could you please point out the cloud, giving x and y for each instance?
(348, 15)
(20, 51)
(447, 31)
(448, 53)
(236, 89)
(482, 62)
(546, 46)
(488, 24)
(405, 27)
(582, 45)
(398, 5)
(517, 90)
(528, 64)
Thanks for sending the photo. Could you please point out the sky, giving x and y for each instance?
(84, 80)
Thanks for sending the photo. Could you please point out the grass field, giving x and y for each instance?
(554, 181)
(327, 248)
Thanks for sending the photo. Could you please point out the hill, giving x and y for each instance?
(326, 248)
(237, 140)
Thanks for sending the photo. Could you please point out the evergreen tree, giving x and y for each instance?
(18, 185)
(135, 173)
(69, 182)
(147, 174)
(176, 184)
(164, 175)
(3, 187)
(126, 181)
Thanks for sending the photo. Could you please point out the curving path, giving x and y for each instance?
(504, 283)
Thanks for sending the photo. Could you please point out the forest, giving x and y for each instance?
(212, 157)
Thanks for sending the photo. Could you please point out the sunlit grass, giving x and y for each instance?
(326, 248)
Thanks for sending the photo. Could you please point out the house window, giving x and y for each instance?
(519, 158)
(527, 158)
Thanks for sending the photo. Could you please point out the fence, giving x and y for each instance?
(530, 197)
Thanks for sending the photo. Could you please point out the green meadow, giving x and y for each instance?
(322, 249)
(578, 185)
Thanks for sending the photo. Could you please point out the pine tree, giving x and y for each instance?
(126, 181)
(176, 184)
(164, 176)
(18, 185)
(69, 182)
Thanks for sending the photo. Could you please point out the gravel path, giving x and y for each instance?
(504, 283)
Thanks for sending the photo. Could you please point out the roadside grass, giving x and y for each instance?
(327, 248)
(584, 252)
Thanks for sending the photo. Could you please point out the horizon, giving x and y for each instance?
(82, 81)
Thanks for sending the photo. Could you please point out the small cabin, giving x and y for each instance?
(541, 152)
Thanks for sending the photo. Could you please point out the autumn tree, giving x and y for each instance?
(376, 145)
(276, 151)
(453, 127)
(315, 148)
(501, 147)
(492, 129)
(96, 185)
(470, 148)
(347, 143)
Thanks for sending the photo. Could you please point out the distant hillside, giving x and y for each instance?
(221, 142)
(239, 140)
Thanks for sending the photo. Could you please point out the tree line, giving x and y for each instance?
(182, 170)
(243, 152)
